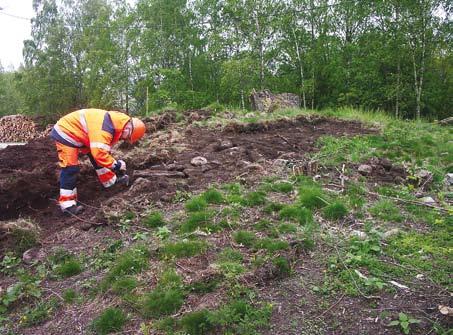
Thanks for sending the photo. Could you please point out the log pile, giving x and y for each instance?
(17, 128)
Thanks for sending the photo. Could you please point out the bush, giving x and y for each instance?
(335, 211)
(244, 237)
(312, 197)
(196, 204)
(111, 320)
(154, 220)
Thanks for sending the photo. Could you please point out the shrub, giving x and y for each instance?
(213, 196)
(196, 204)
(111, 320)
(183, 249)
(244, 237)
(312, 197)
(335, 211)
(154, 220)
(161, 302)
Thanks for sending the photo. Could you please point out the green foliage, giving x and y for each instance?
(197, 323)
(386, 210)
(68, 268)
(404, 322)
(38, 314)
(9, 263)
(124, 285)
(282, 265)
(109, 321)
(69, 296)
(273, 207)
(335, 211)
(154, 220)
(201, 219)
(229, 254)
(287, 228)
(312, 197)
(23, 239)
(196, 204)
(295, 212)
(282, 187)
(160, 302)
(27, 287)
(183, 249)
(253, 199)
(213, 196)
(271, 245)
(246, 238)
(132, 261)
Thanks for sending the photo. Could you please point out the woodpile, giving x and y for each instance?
(17, 128)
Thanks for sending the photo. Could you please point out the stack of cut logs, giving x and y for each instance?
(17, 128)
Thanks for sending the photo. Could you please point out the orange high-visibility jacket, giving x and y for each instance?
(95, 129)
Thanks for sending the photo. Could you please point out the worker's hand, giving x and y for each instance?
(120, 166)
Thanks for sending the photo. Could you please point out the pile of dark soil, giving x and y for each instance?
(29, 174)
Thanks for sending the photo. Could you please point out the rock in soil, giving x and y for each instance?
(428, 200)
(449, 179)
(198, 161)
(365, 169)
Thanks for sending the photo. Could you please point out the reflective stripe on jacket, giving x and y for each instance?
(95, 129)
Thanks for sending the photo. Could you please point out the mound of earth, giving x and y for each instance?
(29, 173)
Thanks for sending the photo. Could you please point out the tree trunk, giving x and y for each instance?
(301, 69)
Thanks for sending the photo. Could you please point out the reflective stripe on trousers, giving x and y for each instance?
(106, 176)
(67, 198)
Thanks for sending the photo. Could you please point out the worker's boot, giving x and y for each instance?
(73, 210)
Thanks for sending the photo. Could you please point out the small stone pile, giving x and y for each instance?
(17, 128)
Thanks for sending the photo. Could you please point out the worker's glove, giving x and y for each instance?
(120, 166)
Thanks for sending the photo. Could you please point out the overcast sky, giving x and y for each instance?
(14, 30)
(15, 27)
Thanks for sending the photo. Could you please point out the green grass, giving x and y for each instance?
(229, 254)
(297, 213)
(23, 239)
(282, 265)
(282, 187)
(312, 197)
(197, 323)
(69, 296)
(253, 199)
(130, 262)
(183, 249)
(161, 302)
(287, 228)
(213, 196)
(69, 268)
(196, 204)
(40, 313)
(154, 220)
(387, 211)
(195, 220)
(335, 211)
(271, 245)
(246, 238)
(109, 321)
(124, 285)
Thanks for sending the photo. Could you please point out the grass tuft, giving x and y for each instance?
(183, 249)
(312, 197)
(213, 196)
(124, 285)
(246, 238)
(271, 245)
(197, 220)
(160, 302)
(335, 211)
(111, 320)
(69, 268)
(253, 199)
(387, 211)
(154, 220)
(196, 204)
(197, 323)
(294, 212)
